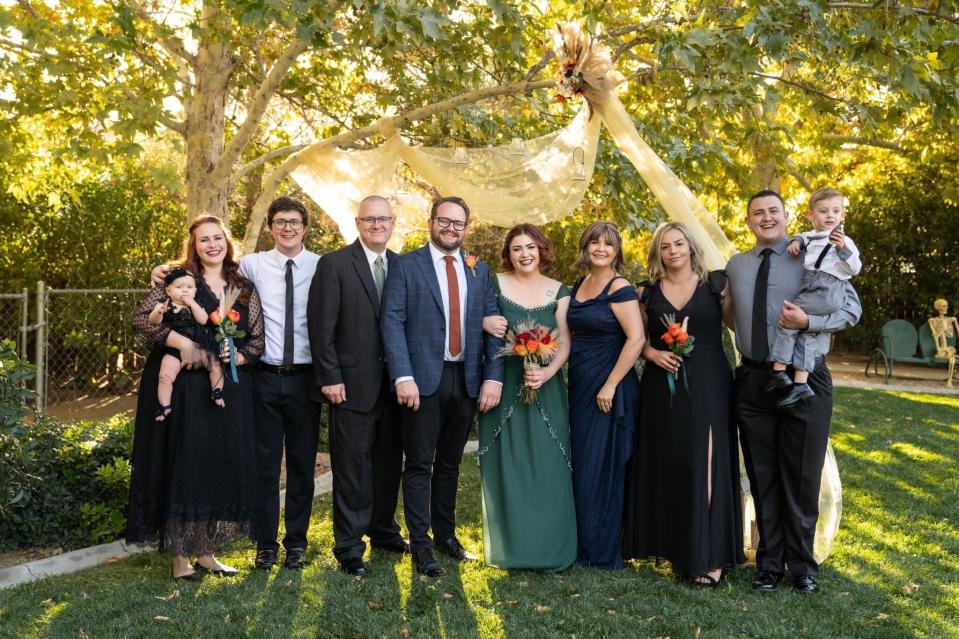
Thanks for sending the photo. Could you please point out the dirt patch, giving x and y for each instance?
(851, 367)
(321, 468)
(23, 555)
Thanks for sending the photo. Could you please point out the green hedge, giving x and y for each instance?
(60, 485)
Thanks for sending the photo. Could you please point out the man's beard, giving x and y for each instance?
(445, 245)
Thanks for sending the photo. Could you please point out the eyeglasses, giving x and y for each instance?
(293, 225)
(372, 221)
(445, 222)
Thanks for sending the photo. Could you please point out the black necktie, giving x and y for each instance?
(288, 322)
(760, 338)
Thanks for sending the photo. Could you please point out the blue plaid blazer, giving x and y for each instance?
(414, 326)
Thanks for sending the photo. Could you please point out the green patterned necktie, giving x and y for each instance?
(379, 275)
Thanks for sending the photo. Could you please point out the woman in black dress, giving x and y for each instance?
(683, 500)
(193, 486)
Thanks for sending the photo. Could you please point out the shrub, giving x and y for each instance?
(60, 485)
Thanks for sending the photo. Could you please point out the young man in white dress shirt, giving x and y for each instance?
(286, 416)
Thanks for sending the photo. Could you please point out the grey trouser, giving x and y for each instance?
(820, 294)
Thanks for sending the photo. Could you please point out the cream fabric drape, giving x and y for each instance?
(536, 182)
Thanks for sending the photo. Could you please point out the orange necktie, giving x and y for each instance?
(453, 285)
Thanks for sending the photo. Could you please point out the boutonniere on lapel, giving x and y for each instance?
(470, 261)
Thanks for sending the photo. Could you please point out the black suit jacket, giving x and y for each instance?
(343, 315)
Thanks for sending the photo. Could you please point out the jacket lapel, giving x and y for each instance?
(425, 259)
(363, 271)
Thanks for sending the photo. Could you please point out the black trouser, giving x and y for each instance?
(285, 414)
(784, 450)
(366, 452)
(433, 441)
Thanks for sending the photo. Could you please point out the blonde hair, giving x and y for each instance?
(602, 229)
(823, 194)
(656, 269)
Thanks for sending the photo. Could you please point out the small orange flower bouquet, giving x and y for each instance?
(536, 344)
(680, 343)
(226, 319)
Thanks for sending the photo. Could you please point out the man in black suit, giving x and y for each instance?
(366, 453)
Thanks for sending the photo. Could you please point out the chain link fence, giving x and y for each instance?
(90, 349)
(13, 318)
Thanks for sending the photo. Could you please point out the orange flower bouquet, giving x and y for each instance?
(226, 319)
(680, 343)
(536, 344)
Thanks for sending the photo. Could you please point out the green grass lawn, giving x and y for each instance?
(894, 571)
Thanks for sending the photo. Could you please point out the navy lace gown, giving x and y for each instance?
(601, 443)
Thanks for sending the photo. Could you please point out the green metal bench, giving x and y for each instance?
(901, 343)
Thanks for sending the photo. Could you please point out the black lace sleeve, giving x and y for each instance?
(252, 347)
(150, 335)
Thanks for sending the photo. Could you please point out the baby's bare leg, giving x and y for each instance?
(169, 369)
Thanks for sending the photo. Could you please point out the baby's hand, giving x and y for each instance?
(160, 308)
(793, 247)
(186, 297)
(837, 238)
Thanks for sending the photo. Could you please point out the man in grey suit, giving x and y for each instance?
(432, 323)
(349, 373)
(784, 448)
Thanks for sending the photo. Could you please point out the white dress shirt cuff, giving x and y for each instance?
(405, 378)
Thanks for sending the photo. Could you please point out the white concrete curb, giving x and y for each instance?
(879, 386)
(77, 560)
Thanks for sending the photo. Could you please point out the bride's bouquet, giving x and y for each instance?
(226, 319)
(536, 344)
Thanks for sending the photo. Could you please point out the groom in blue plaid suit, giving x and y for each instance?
(442, 365)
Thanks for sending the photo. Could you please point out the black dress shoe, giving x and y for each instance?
(454, 549)
(191, 576)
(295, 558)
(353, 567)
(778, 380)
(805, 584)
(265, 559)
(767, 581)
(425, 563)
(400, 545)
(219, 572)
(797, 393)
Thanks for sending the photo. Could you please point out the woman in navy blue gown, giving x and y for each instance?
(607, 338)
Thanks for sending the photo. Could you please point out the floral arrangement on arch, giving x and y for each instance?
(586, 65)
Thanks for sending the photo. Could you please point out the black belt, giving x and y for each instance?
(447, 364)
(295, 369)
(752, 363)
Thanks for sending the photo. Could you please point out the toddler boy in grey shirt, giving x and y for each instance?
(831, 258)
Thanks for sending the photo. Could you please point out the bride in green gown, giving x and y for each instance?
(528, 513)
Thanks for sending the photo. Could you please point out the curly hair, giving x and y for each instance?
(546, 254)
(190, 258)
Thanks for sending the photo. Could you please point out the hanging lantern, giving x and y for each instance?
(579, 164)
(517, 147)
(460, 156)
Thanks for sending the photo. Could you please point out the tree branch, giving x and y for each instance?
(861, 141)
(173, 47)
(799, 85)
(256, 109)
(29, 9)
(381, 126)
(919, 10)
(263, 159)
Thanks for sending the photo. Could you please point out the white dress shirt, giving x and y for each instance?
(439, 264)
(842, 264)
(267, 271)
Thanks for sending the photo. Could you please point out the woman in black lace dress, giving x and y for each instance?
(193, 487)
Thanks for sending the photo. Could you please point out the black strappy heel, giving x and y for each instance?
(162, 412)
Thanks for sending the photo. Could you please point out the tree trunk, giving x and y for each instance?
(206, 109)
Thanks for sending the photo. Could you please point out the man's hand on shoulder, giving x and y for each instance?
(489, 396)
(793, 317)
(158, 273)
